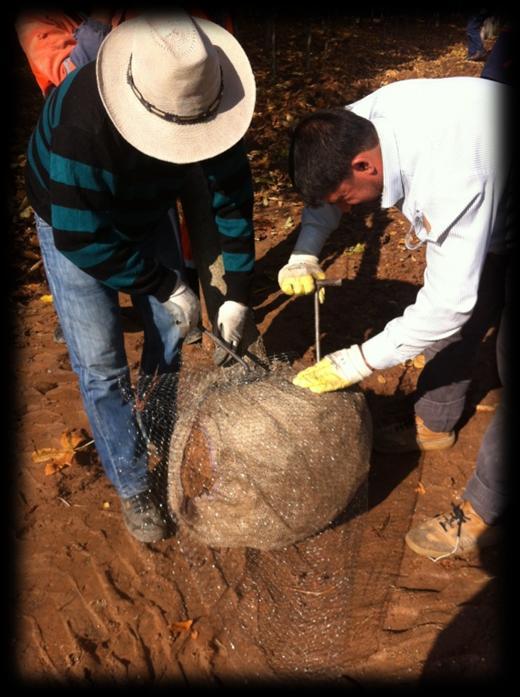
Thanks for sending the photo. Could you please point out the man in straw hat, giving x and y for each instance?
(105, 162)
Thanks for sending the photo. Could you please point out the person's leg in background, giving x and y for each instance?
(89, 314)
(488, 489)
(476, 50)
(500, 63)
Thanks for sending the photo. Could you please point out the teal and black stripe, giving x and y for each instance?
(104, 198)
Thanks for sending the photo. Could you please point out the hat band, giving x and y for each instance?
(174, 118)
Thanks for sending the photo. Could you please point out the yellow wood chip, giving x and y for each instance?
(182, 625)
(419, 361)
(420, 488)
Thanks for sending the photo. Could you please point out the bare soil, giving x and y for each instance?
(90, 604)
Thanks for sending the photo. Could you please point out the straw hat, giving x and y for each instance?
(177, 88)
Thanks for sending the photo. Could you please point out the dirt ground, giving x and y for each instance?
(91, 605)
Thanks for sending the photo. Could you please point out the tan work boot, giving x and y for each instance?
(407, 436)
(461, 532)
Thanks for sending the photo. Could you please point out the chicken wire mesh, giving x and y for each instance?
(251, 464)
(256, 462)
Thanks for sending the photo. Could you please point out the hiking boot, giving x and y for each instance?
(461, 532)
(144, 519)
(408, 435)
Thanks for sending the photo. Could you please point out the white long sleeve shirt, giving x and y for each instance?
(445, 165)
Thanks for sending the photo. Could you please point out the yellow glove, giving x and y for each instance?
(334, 372)
(297, 277)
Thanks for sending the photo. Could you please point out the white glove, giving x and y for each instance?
(334, 372)
(298, 276)
(184, 306)
(231, 319)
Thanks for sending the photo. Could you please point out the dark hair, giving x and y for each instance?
(323, 146)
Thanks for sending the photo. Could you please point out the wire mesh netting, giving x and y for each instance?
(249, 462)
(257, 462)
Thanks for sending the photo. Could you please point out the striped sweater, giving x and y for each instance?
(104, 198)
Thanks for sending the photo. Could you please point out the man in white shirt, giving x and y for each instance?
(434, 148)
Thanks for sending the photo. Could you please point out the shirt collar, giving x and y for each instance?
(392, 183)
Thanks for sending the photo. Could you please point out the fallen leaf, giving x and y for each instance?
(358, 248)
(43, 454)
(182, 625)
(420, 488)
(72, 443)
(419, 361)
(46, 298)
(26, 213)
(74, 438)
(55, 466)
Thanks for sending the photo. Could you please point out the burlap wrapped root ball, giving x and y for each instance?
(265, 464)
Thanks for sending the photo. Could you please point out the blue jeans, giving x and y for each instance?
(474, 40)
(489, 488)
(89, 315)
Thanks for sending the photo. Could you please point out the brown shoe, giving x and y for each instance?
(407, 436)
(460, 532)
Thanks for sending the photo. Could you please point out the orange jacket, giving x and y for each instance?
(47, 40)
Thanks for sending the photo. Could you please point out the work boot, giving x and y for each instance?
(411, 434)
(461, 532)
(144, 519)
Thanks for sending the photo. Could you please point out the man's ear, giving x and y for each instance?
(366, 161)
(362, 163)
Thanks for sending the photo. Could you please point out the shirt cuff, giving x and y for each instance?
(380, 353)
